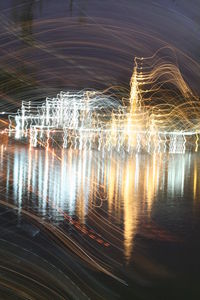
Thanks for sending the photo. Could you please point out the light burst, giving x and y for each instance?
(161, 114)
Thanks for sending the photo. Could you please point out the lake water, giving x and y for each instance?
(117, 225)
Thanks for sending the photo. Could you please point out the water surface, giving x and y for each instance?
(136, 216)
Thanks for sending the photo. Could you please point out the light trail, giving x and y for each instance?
(161, 114)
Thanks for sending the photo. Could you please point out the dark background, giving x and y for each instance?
(48, 45)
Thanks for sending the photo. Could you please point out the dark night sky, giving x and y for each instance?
(51, 45)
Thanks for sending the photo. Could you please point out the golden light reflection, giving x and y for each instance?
(195, 181)
(130, 207)
(81, 183)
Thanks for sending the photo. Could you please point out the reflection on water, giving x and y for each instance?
(134, 219)
(79, 183)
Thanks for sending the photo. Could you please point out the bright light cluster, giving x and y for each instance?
(161, 114)
(79, 119)
(88, 120)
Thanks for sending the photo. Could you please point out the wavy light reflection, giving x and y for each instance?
(85, 184)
